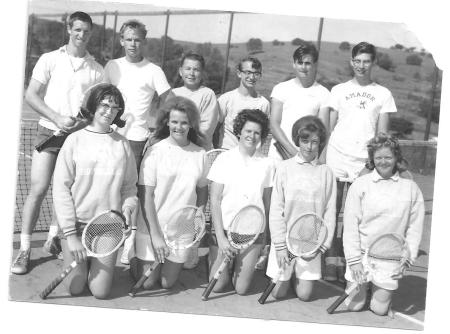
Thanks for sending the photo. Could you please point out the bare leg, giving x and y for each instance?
(244, 268)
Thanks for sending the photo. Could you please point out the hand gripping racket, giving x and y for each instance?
(58, 138)
(384, 259)
(304, 238)
(102, 236)
(185, 227)
(244, 230)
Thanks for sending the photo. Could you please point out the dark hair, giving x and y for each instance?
(251, 115)
(133, 24)
(193, 56)
(364, 47)
(384, 140)
(256, 64)
(304, 49)
(306, 126)
(97, 93)
(184, 105)
(81, 16)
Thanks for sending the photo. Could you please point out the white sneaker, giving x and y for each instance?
(192, 259)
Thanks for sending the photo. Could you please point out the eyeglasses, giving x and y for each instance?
(105, 107)
(249, 73)
(358, 62)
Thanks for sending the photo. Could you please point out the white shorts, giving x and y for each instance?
(305, 270)
(343, 165)
(144, 250)
(382, 282)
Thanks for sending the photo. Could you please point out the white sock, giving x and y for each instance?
(53, 231)
(25, 241)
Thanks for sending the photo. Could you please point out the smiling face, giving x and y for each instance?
(191, 73)
(385, 162)
(79, 33)
(132, 42)
(362, 65)
(305, 70)
(179, 126)
(105, 114)
(250, 135)
(248, 75)
(309, 147)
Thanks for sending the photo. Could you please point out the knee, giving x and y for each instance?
(242, 289)
(167, 283)
(102, 293)
(304, 296)
(378, 307)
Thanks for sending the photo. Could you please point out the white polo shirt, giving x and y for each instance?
(67, 78)
(359, 108)
(244, 180)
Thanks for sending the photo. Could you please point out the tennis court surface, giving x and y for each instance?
(185, 297)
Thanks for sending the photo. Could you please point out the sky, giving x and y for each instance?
(427, 19)
(214, 28)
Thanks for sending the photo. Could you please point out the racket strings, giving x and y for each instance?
(185, 229)
(246, 226)
(305, 234)
(388, 248)
(104, 234)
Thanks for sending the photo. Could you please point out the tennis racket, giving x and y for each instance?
(210, 158)
(102, 236)
(304, 238)
(185, 227)
(384, 259)
(58, 138)
(244, 230)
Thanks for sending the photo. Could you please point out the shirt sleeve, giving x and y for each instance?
(416, 220)
(329, 215)
(202, 181)
(147, 174)
(42, 69)
(276, 93)
(129, 191)
(389, 104)
(333, 99)
(218, 171)
(277, 223)
(222, 102)
(209, 115)
(352, 219)
(107, 77)
(63, 179)
(160, 81)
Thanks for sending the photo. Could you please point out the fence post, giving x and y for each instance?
(227, 54)
(430, 111)
(102, 37)
(166, 31)
(319, 35)
(64, 29)
(116, 14)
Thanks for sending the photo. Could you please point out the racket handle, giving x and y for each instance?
(340, 299)
(57, 281)
(142, 280)
(213, 282)
(267, 292)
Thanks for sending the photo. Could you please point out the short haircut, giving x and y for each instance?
(193, 56)
(97, 93)
(384, 140)
(305, 48)
(364, 47)
(251, 115)
(133, 24)
(256, 64)
(307, 126)
(81, 16)
(184, 105)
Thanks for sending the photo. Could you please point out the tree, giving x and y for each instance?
(385, 62)
(344, 46)
(414, 59)
(276, 42)
(254, 45)
(398, 46)
(297, 41)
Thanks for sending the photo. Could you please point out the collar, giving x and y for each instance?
(377, 177)
(299, 159)
(87, 56)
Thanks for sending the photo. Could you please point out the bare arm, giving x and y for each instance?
(167, 95)
(333, 115)
(275, 122)
(202, 197)
(324, 115)
(267, 193)
(383, 123)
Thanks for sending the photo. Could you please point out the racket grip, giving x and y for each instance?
(134, 290)
(336, 303)
(266, 292)
(213, 282)
(57, 281)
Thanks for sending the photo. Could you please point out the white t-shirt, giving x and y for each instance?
(297, 102)
(67, 78)
(358, 110)
(137, 82)
(175, 172)
(231, 103)
(206, 102)
(244, 180)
